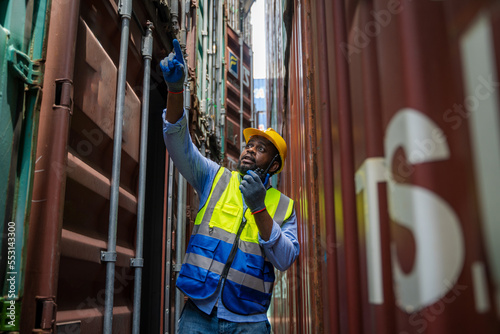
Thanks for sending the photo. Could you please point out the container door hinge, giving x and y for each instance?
(46, 310)
(136, 263)
(24, 67)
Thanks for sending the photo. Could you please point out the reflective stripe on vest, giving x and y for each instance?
(249, 281)
(236, 276)
(247, 247)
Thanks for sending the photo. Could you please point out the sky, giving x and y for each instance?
(258, 39)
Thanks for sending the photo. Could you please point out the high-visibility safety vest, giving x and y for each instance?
(224, 248)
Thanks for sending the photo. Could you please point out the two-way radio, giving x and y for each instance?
(264, 176)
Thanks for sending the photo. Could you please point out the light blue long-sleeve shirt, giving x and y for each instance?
(281, 249)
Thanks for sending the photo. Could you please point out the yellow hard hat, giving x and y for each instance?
(273, 137)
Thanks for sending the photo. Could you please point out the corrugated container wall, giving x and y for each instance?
(390, 110)
(73, 168)
(65, 278)
(61, 218)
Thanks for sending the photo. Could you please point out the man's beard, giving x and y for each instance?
(243, 169)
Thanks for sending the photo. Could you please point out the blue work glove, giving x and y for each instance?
(253, 191)
(173, 68)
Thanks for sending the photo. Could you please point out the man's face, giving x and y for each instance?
(258, 153)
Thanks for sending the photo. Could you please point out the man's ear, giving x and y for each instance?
(274, 167)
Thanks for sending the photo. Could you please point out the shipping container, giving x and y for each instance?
(95, 216)
(390, 110)
(22, 50)
(79, 269)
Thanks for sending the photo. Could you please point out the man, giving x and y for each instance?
(244, 229)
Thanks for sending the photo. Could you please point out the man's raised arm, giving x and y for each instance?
(174, 72)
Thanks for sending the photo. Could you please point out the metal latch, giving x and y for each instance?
(25, 68)
(108, 256)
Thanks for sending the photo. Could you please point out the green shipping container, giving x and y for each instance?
(23, 26)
